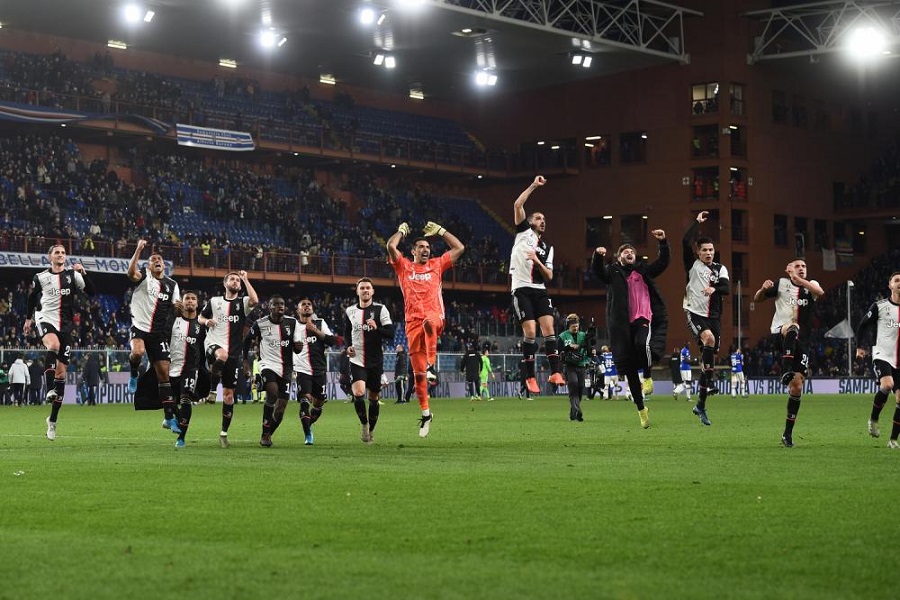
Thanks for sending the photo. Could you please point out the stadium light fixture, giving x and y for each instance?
(485, 79)
(117, 44)
(379, 60)
(541, 143)
(366, 16)
(228, 63)
(607, 217)
(282, 41)
(132, 13)
(592, 138)
(580, 59)
(148, 16)
(390, 62)
(267, 38)
(327, 79)
(381, 18)
(866, 42)
(416, 94)
(554, 147)
(588, 145)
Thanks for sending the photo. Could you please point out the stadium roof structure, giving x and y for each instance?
(438, 45)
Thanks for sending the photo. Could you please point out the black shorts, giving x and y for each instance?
(268, 376)
(371, 375)
(883, 369)
(156, 344)
(530, 304)
(229, 370)
(64, 337)
(185, 385)
(314, 385)
(800, 364)
(698, 324)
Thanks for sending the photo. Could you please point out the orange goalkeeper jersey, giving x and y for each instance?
(421, 285)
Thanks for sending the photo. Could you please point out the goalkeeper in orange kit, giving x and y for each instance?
(420, 281)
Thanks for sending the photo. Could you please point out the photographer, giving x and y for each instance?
(576, 346)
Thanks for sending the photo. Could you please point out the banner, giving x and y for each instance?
(844, 252)
(27, 113)
(93, 264)
(214, 139)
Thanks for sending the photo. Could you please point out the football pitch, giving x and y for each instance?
(507, 499)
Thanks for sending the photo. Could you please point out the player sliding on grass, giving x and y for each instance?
(420, 281)
(792, 326)
(884, 318)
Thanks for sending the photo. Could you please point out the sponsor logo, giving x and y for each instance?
(311, 339)
(159, 294)
(189, 339)
(420, 277)
(362, 327)
(799, 302)
(229, 318)
(893, 323)
(278, 344)
(60, 292)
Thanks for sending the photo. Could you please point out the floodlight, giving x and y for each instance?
(282, 41)
(379, 59)
(587, 61)
(366, 16)
(267, 38)
(381, 18)
(228, 63)
(148, 16)
(576, 59)
(866, 42)
(117, 44)
(390, 62)
(132, 13)
(416, 94)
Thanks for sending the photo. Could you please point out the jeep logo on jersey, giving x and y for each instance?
(893, 323)
(420, 277)
(185, 338)
(539, 250)
(311, 339)
(61, 292)
(159, 294)
(799, 302)
(229, 318)
(362, 327)
(281, 344)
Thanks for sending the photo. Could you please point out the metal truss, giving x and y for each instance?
(819, 28)
(644, 26)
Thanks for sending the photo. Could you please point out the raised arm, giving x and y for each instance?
(598, 265)
(687, 242)
(251, 293)
(663, 255)
(519, 205)
(763, 292)
(133, 273)
(394, 241)
(456, 246)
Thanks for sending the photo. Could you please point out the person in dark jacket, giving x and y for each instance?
(635, 312)
(401, 375)
(90, 375)
(470, 363)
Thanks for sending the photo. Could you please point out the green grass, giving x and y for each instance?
(504, 500)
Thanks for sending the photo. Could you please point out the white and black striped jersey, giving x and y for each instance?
(53, 298)
(793, 304)
(185, 349)
(701, 276)
(311, 358)
(276, 344)
(230, 317)
(366, 342)
(522, 270)
(153, 303)
(884, 317)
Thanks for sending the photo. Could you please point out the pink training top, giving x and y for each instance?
(638, 298)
